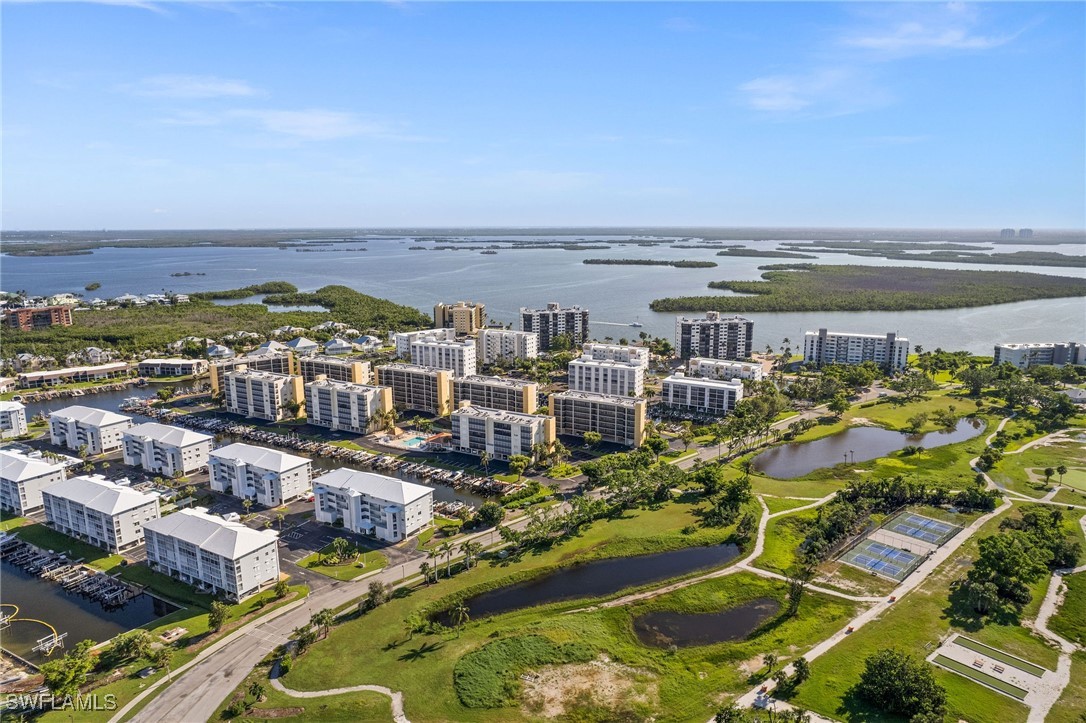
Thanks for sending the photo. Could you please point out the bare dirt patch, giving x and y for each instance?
(558, 690)
(275, 712)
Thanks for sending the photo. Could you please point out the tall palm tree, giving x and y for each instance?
(446, 549)
(460, 616)
(484, 459)
(470, 550)
(424, 568)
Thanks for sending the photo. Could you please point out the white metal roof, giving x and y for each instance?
(16, 466)
(384, 488)
(262, 457)
(99, 494)
(231, 540)
(166, 434)
(90, 415)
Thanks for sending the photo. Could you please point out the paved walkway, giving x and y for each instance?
(395, 696)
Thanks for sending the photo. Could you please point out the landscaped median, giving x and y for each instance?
(355, 563)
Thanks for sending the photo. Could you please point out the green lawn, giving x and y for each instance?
(1071, 706)
(685, 684)
(782, 504)
(1070, 620)
(348, 707)
(782, 536)
(1024, 473)
(914, 624)
(356, 566)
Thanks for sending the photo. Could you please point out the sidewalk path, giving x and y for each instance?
(396, 696)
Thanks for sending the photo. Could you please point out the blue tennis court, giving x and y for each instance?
(881, 559)
(922, 528)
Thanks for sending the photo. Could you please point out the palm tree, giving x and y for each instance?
(484, 459)
(470, 550)
(1049, 471)
(1061, 471)
(247, 504)
(424, 568)
(446, 549)
(322, 620)
(460, 616)
(435, 555)
(256, 690)
(280, 517)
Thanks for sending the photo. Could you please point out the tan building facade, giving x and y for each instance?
(618, 419)
(465, 317)
(511, 395)
(417, 387)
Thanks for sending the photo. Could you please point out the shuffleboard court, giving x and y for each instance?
(983, 678)
(1024, 665)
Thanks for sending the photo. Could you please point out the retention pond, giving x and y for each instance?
(856, 444)
(664, 628)
(597, 578)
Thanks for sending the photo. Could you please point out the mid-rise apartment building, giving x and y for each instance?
(105, 514)
(513, 395)
(71, 375)
(624, 379)
(456, 356)
(405, 339)
(263, 395)
(12, 419)
(708, 396)
(373, 504)
(837, 347)
(506, 345)
(617, 352)
(617, 419)
(165, 450)
(1025, 356)
(41, 317)
(176, 367)
(213, 554)
(416, 387)
(358, 408)
(555, 321)
(464, 317)
(23, 476)
(276, 362)
(335, 368)
(500, 433)
(75, 426)
(724, 369)
(714, 336)
(265, 476)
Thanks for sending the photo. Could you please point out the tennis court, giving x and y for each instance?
(922, 528)
(881, 559)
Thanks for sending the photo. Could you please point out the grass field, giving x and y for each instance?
(368, 561)
(1071, 706)
(782, 536)
(1070, 620)
(1024, 473)
(782, 504)
(913, 624)
(687, 681)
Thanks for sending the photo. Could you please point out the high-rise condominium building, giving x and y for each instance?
(500, 433)
(465, 317)
(165, 450)
(276, 362)
(506, 345)
(624, 379)
(358, 408)
(617, 419)
(101, 512)
(724, 369)
(511, 395)
(708, 396)
(714, 336)
(415, 387)
(554, 321)
(1025, 356)
(335, 368)
(456, 356)
(836, 347)
(263, 395)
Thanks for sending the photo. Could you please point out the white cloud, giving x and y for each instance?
(822, 92)
(923, 28)
(191, 87)
(681, 25)
(311, 124)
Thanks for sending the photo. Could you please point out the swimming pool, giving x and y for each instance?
(414, 442)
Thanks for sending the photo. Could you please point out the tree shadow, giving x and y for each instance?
(960, 613)
(420, 652)
(855, 709)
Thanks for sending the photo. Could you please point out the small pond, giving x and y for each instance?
(601, 577)
(855, 444)
(664, 628)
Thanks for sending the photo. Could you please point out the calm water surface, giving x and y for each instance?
(616, 295)
(855, 444)
(664, 628)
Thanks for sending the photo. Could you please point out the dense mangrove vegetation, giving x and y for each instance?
(683, 264)
(810, 287)
(133, 329)
(766, 253)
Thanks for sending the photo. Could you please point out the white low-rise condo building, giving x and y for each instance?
(506, 345)
(263, 395)
(1056, 354)
(405, 339)
(617, 352)
(513, 395)
(500, 433)
(624, 379)
(416, 387)
(714, 336)
(373, 504)
(836, 347)
(724, 369)
(456, 356)
(172, 367)
(277, 362)
(266, 476)
(12, 419)
(162, 449)
(105, 514)
(708, 396)
(22, 478)
(555, 321)
(618, 419)
(335, 368)
(358, 408)
(75, 426)
(214, 554)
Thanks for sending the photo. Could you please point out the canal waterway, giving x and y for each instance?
(599, 577)
(616, 295)
(80, 618)
(664, 628)
(855, 444)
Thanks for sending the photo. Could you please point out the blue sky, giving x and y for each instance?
(209, 115)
